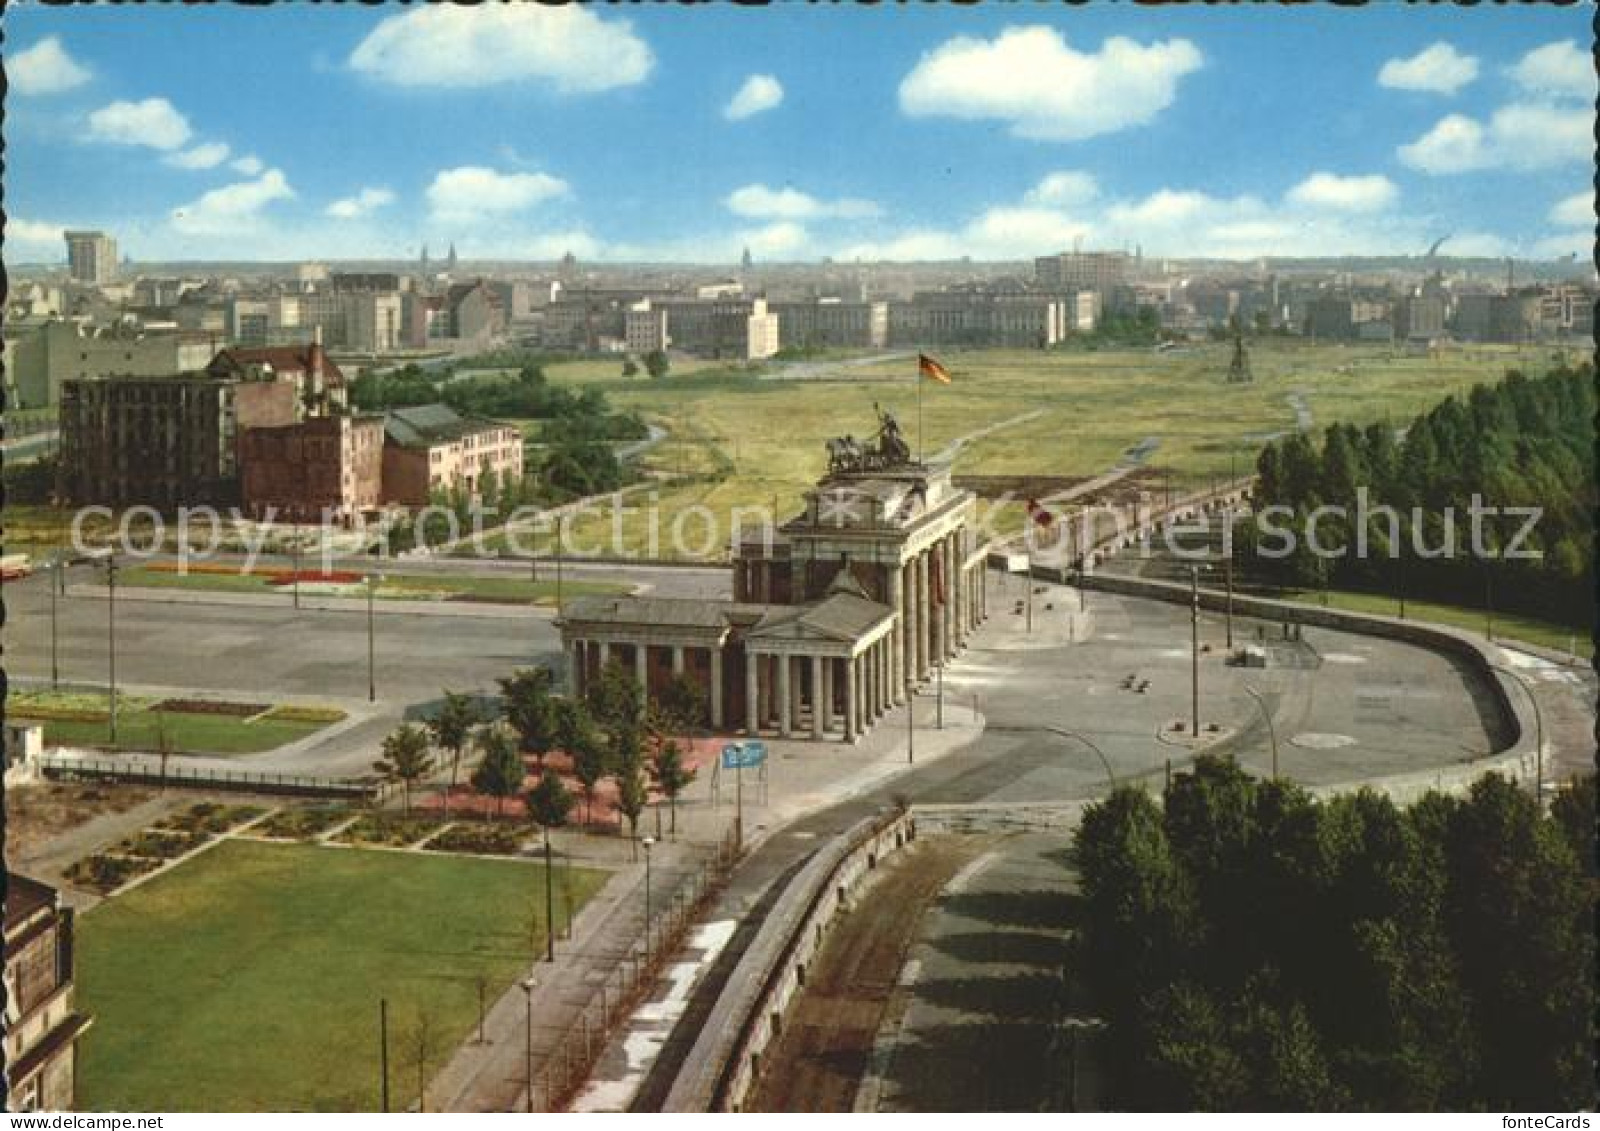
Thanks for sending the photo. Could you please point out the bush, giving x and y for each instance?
(303, 823)
(391, 829)
(104, 873)
(209, 817)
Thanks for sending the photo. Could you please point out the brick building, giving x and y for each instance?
(42, 1024)
(319, 382)
(433, 448)
(165, 442)
(323, 468)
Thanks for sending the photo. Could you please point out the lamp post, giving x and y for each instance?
(55, 567)
(1194, 645)
(1272, 732)
(111, 638)
(649, 843)
(383, 1050)
(561, 538)
(372, 639)
(295, 543)
(529, 984)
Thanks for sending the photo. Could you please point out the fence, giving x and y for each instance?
(210, 777)
(726, 1060)
(621, 990)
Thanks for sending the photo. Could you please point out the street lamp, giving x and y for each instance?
(649, 843)
(1194, 645)
(1272, 732)
(111, 637)
(54, 568)
(373, 580)
(529, 984)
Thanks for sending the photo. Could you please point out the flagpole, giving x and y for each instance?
(920, 449)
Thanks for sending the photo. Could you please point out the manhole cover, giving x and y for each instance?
(1312, 741)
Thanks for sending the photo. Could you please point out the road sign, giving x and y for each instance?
(742, 755)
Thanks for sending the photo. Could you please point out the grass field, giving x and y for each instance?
(248, 979)
(394, 587)
(751, 442)
(82, 719)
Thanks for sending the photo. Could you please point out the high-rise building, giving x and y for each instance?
(91, 257)
(1103, 271)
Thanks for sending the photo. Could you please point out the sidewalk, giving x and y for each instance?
(284, 601)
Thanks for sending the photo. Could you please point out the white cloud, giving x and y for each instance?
(759, 92)
(227, 210)
(1044, 89)
(782, 238)
(20, 231)
(46, 68)
(762, 203)
(207, 156)
(1576, 211)
(249, 165)
(1063, 190)
(1559, 69)
(359, 205)
(568, 47)
(1353, 194)
(469, 193)
(1520, 135)
(1439, 69)
(154, 122)
(1454, 145)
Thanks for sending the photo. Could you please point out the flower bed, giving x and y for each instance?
(210, 707)
(160, 844)
(190, 567)
(292, 714)
(480, 839)
(104, 873)
(301, 824)
(388, 829)
(312, 577)
(209, 817)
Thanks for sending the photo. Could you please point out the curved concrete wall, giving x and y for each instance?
(726, 1059)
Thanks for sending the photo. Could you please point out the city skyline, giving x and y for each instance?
(528, 133)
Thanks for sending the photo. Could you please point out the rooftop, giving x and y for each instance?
(422, 425)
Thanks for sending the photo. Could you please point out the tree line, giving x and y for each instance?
(1523, 443)
(612, 732)
(1250, 947)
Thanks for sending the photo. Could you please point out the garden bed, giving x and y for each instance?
(391, 829)
(302, 823)
(104, 873)
(209, 817)
(160, 844)
(479, 839)
(210, 707)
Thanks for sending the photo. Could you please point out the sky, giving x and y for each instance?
(665, 133)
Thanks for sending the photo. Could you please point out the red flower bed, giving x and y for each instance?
(210, 707)
(313, 576)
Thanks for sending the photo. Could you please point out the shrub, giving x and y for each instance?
(483, 840)
(303, 823)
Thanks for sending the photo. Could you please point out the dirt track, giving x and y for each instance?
(818, 1062)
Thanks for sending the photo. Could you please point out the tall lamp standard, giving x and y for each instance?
(529, 984)
(1194, 644)
(111, 637)
(55, 567)
(372, 639)
(1272, 732)
(649, 843)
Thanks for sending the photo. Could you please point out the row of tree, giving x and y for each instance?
(610, 733)
(1524, 443)
(1253, 948)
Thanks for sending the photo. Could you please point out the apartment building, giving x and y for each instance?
(326, 468)
(58, 351)
(432, 448)
(42, 1023)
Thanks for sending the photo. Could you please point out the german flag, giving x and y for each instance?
(932, 370)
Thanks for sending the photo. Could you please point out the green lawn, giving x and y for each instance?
(248, 979)
(394, 587)
(755, 441)
(139, 726)
(1506, 626)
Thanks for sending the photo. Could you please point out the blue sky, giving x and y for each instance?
(664, 133)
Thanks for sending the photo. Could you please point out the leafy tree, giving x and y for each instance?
(615, 699)
(405, 759)
(672, 775)
(633, 792)
(1573, 810)
(451, 730)
(682, 702)
(630, 368)
(549, 806)
(501, 772)
(586, 746)
(528, 705)
(657, 364)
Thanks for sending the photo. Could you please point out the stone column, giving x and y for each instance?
(909, 672)
(574, 652)
(880, 654)
(924, 615)
(716, 687)
(852, 723)
(785, 698)
(827, 695)
(641, 667)
(952, 620)
(677, 659)
(605, 653)
(751, 691)
(818, 708)
(896, 642)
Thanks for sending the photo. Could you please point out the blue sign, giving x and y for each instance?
(743, 755)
